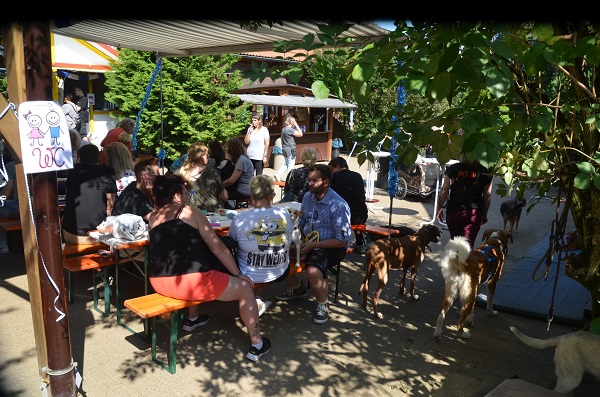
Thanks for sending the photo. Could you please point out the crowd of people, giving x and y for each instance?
(189, 261)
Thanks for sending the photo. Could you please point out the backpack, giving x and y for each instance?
(76, 119)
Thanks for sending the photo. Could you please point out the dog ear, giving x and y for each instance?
(486, 234)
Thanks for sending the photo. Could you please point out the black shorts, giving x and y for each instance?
(325, 258)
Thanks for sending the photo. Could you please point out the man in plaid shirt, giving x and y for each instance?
(325, 224)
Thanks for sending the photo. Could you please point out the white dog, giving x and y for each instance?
(575, 354)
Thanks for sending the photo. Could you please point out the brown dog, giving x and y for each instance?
(464, 269)
(511, 213)
(396, 253)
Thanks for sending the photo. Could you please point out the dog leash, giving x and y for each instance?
(556, 244)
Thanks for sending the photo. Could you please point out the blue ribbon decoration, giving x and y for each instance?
(157, 69)
(392, 172)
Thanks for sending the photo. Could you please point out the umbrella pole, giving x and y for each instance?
(391, 209)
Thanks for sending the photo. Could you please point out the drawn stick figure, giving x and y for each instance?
(53, 120)
(35, 122)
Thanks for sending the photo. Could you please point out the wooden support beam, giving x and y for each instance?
(15, 71)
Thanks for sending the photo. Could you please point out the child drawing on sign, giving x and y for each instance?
(35, 122)
(53, 120)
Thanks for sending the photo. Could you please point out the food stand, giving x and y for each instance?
(314, 116)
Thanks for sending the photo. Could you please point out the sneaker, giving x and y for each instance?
(189, 325)
(255, 354)
(360, 249)
(321, 314)
(292, 293)
(262, 305)
(3, 247)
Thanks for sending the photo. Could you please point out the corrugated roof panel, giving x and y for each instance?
(194, 37)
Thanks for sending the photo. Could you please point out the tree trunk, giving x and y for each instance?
(585, 266)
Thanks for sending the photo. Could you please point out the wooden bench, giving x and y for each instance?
(10, 224)
(79, 249)
(373, 229)
(99, 264)
(281, 184)
(154, 306)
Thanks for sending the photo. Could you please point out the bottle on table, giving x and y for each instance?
(192, 202)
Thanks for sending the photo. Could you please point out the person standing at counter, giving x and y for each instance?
(288, 145)
(257, 138)
(83, 109)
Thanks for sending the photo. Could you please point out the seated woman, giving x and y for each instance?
(296, 182)
(243, 172)
(119, 158)
(91, 189)
(188, 260)
(264, 235)
(209, 192)
(136, 198)
(217, 158)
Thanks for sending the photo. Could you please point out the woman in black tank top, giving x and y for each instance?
(188, 260)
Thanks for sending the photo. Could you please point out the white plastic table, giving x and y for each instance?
(372, 171)
(433, 160)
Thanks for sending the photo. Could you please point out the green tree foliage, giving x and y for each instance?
(196, 105)
(381, 101)
(523, 96)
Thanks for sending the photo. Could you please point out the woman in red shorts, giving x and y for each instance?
(188, 260)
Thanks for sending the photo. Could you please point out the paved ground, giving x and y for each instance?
(351, 355)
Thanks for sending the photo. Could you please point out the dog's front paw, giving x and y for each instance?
(469, 320)
(493, 313)
(437, 334)
(415, 297)
(464, 335)
(378, 315)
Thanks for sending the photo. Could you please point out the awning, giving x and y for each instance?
(195, 37)
(81, 55)
(295, 101)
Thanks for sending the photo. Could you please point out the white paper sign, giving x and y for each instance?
(45, 139)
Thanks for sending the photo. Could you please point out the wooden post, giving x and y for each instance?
(15, 68)
(44, 202)
(45, 210)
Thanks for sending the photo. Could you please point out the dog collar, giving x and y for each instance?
(493, 261)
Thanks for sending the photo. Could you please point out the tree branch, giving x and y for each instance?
(578, 83)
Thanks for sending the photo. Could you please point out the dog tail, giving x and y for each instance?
(534, 342)
(455, 255)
